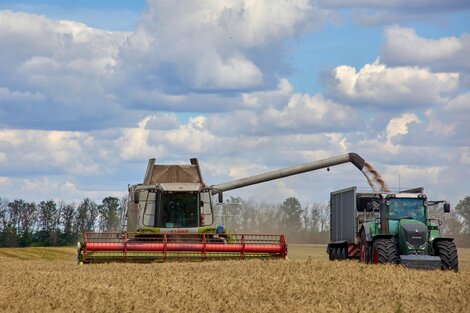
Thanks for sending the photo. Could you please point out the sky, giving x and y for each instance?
(90, 90)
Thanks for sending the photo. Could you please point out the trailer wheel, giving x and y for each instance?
(447, 251)
(331, 253)
(364, 248)
(334, 253)
(384, 251)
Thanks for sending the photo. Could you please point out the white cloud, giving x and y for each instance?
(399, 125)
(134, 142)
(221, 65)
(393, 87)
(309, 113)
(465, 156)
(193, 136)
(58, 70)
(282, 110)
(414, 176)
(56, 188)
(216, 45)
(38, 151)
(402, 46)
(5, 181)
(425, 5)
(451, 121)
(7, 95)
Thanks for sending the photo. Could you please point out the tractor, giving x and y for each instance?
(389, 228)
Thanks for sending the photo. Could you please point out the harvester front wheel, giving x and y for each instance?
(384, 251)
(447, 251)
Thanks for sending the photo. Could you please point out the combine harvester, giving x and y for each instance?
(170, 217)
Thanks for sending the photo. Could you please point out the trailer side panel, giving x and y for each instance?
(343, 215)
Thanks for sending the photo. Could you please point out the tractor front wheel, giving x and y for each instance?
(384, 251)
(447, 251)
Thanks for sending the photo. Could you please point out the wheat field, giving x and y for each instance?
(48, 280)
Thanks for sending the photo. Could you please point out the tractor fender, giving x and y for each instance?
(436, 240)
(376, 237)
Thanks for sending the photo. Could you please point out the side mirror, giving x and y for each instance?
(446, 207)
(221, 197)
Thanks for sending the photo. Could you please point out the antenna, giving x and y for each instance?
(399, 183)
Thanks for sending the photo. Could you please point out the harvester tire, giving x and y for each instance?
(384, 251)
(447, 251)
(343, 253)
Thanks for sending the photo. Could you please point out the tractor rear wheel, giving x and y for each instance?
(384, 251)
(447, 251)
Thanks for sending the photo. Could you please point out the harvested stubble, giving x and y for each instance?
(228, 286)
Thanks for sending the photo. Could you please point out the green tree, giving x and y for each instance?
(68, 213)
(4, 214)
(122, 212)
(85, 218)
(47, 211)
(451, 224)
(463, 209)
(109, 214)
(291, 211)
(23, 216)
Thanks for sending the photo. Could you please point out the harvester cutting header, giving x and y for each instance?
(171, 216)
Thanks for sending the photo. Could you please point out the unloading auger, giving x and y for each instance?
(170, 216)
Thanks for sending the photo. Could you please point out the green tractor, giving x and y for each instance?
(389, 228)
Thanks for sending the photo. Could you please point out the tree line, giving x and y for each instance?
(51, 223)
(300, 224)
(311, 223)
(57, 223)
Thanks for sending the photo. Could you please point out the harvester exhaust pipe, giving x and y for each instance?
(354, 158)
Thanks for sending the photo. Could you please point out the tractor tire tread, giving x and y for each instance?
(447, 251)
(387, 251)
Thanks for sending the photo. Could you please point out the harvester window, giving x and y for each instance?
(178, 209)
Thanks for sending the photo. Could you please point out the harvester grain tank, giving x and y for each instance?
(389, 228)
(170, 216)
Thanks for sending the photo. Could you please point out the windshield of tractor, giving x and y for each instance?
(179, 209)
(412, 208)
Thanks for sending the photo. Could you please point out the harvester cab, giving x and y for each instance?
(390, 228)
(172, 199)
(171, 216)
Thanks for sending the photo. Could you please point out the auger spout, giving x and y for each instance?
(354, 158)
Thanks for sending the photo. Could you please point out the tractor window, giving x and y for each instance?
(406, 208)
(178, 209)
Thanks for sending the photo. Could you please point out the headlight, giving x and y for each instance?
(411, 247)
